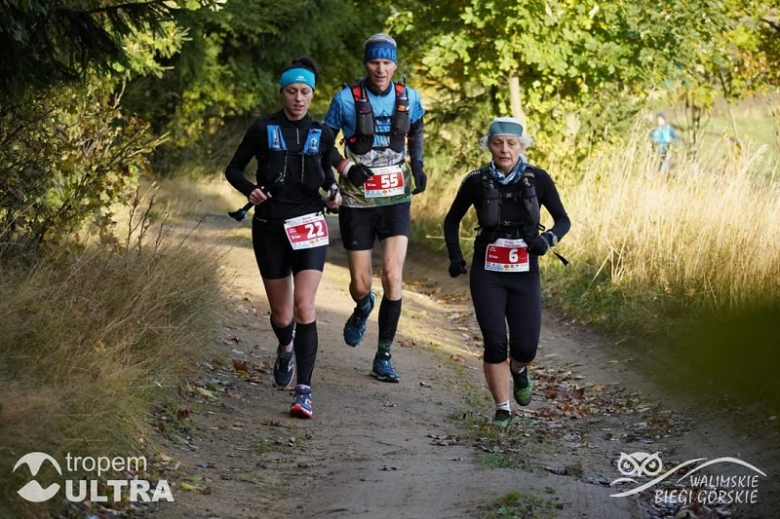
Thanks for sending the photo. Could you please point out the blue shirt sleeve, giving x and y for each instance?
(341, 114)
(416, 110)
(334, 116)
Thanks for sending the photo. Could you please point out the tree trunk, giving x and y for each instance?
(515, 98)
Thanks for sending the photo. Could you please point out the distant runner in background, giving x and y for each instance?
(663, 136)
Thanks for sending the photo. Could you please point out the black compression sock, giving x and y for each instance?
(306, 343)
(283, 333)
(389, 314)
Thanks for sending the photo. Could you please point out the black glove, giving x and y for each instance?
(457, 267)
(541, 244)
(420, 179)
(358, 174)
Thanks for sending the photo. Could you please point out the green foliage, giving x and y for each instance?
(60, 40)
(585, 68)
(230, 63)
(66, 156)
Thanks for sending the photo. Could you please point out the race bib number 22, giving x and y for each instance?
(307, 231)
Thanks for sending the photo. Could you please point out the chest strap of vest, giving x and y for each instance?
(365, 125)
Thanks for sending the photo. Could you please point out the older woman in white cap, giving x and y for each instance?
(505, 285)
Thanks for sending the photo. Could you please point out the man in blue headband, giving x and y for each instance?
(380, 120)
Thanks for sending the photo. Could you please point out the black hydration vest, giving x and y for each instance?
(363, 139)
(280, 158)
(510, 211)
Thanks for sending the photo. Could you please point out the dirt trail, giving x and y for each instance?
(416, 449)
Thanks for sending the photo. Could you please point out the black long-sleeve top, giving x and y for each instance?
(471, 193)
(288, 175)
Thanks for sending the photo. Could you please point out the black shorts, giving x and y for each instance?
(360, 226)
(276, 257)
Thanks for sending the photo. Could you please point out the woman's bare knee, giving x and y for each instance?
(305, 311)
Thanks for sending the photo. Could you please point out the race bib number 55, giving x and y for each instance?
(507, 256)
(387, 181)
(307, 231)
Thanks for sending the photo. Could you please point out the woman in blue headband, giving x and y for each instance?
(505, 285)
(289, 231)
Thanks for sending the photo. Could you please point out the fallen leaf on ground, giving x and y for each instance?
(205, 393)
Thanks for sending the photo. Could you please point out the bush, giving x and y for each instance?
(66, 156)
(90, 345)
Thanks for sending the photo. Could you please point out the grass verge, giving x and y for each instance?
(90, 345)
(519, 505)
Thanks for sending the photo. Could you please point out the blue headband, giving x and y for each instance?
(297, 75)
(380, 50)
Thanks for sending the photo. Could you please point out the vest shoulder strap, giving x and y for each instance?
(356, 89)
(400, 94)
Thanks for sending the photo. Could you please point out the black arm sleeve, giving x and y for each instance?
(328, 144)
(415, 140)
(234, 173)
(463, 200)
(552, 202)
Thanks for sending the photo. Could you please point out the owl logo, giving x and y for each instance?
(640, 464)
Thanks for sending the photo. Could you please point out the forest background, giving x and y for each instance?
(97, 95)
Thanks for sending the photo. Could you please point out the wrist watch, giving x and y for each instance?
(553, 238)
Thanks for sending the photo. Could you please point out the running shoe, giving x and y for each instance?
(522, 386)
(383, 370)
(284, 367)
(503, 418)
(356, 324)
(301, 406)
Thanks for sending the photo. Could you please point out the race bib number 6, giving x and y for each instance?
(307, 231)
(507, 256)
(387, 181)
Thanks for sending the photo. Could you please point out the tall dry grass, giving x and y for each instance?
(702, 238)
(690, 260)
(90, 344)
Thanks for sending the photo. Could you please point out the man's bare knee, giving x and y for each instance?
(392, 281)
